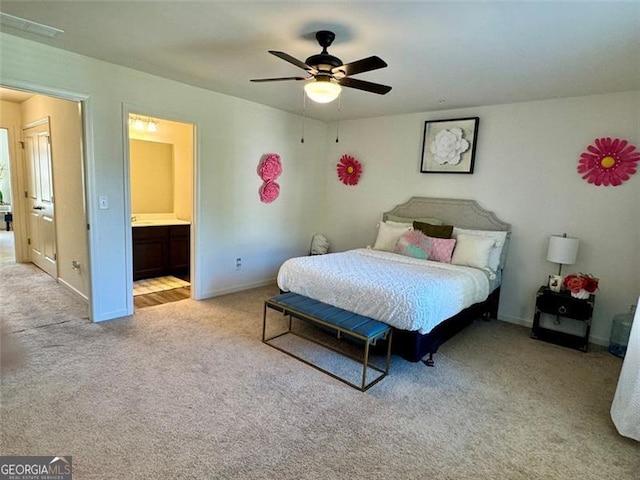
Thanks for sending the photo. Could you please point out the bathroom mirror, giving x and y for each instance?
(152, 177)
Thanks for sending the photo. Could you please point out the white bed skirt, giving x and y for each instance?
(625, 410)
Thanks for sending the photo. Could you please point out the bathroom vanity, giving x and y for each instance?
(160, 247)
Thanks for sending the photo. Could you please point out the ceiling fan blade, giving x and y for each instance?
(366, 86)
(288, 58)
(360, 66)
(278, 79)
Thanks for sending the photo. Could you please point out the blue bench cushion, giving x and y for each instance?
(345, 320)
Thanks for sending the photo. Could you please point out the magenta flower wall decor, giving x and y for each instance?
(349, 170)
(269, 169)
(608, 162)
(269, 191)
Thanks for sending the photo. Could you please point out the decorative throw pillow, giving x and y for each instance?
(388, 236)
(441, 249)
(437, 231)
(414, 244)
(472, 250)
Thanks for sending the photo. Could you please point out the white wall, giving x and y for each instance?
(525, 171)
(231, 137)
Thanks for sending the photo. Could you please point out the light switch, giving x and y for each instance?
(103, 202)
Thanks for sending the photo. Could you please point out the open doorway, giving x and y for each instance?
(44, 141)
(7, 241)
(161, 159)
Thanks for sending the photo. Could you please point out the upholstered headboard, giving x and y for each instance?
(454, 211)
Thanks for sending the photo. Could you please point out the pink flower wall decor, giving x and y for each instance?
(269, 191)
(270, 167)
(349, 170)
(608, 162)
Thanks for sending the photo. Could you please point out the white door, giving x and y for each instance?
(40, 205)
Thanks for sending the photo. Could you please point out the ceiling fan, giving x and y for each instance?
(327, 73)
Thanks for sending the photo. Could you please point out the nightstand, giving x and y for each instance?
(563, 305)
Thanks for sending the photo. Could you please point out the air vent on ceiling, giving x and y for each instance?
(28, 26)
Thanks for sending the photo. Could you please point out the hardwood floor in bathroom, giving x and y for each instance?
(158, 298)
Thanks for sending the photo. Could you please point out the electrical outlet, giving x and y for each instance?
(238, 263)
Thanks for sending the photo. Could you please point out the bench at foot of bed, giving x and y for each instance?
(337, 320)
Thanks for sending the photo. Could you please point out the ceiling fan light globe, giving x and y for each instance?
(322, 91)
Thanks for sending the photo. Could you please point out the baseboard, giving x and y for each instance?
(604, 342)
(237, 288)
(74, 290)
(113, 315)
(516, 320)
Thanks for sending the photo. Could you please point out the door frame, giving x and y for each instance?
(85, 103)
(146, 111)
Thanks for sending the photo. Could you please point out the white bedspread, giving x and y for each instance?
(407, 293)
(625, 409)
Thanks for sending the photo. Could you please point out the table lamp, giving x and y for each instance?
(562, 250)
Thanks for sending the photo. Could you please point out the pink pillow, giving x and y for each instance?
(441, 249)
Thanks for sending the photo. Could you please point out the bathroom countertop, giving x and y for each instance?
(160, 222)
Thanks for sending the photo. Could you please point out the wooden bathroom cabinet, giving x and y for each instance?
(161, 250)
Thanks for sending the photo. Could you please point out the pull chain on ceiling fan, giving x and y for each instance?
(327, 74)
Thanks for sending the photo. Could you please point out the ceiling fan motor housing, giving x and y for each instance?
(323, 61)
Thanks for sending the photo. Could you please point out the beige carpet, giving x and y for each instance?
(186, 390)
(7, 248)
(158, 284)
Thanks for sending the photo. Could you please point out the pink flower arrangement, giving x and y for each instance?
(349, 170)
(269, 191)
(608, 162)
(581, 285)
(270, 167)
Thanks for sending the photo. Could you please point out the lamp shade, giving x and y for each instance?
(322, 90)
(562, 249)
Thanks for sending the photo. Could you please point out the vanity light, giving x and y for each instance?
(322, 90)
(150, 124)
(138, 124)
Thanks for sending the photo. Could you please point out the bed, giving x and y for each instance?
(425, 301)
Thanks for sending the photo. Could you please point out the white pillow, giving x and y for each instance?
(496, 251)
(392, 223)
(388, 235)
(472, 250)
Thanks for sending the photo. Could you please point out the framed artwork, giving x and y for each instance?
(449, 146)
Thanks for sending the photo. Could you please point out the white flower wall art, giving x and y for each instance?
(449, 145)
